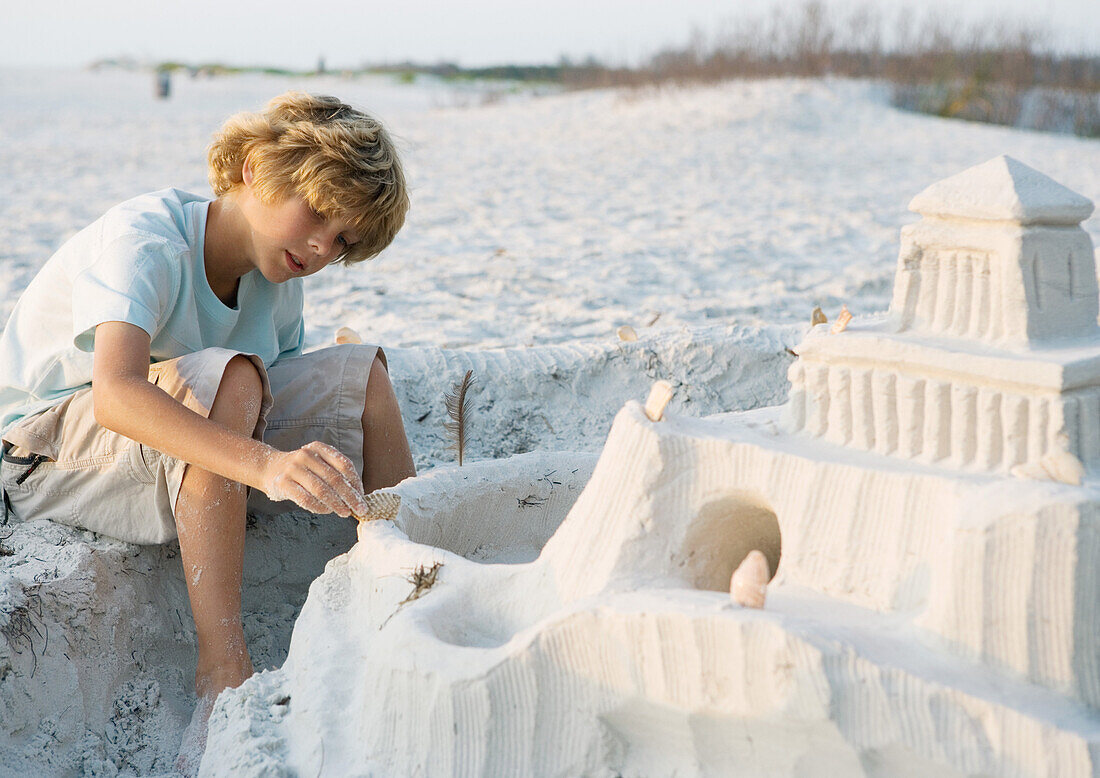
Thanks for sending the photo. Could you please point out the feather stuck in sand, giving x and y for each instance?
(459, 405)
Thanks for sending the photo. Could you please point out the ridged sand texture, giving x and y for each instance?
(617, 650)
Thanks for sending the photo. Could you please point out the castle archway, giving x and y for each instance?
(723, 533)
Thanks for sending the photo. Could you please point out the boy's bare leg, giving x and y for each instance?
(386, 456)
(210, 520)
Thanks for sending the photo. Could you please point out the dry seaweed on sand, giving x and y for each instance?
(459, 405)
(20, 627)
(423, 578)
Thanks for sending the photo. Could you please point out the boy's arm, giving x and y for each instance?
(316, 476)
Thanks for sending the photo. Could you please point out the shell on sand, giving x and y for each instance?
(659, 396)
(818, 317)
(1058, 465)
(626, 332)
(381, 506)
(749, 583)
(842, 320)
(347, 335)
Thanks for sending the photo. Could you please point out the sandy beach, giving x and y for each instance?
(710, 219)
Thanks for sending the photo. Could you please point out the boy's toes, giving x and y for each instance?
(193, 743)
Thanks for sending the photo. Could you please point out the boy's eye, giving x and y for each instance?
(343, 240)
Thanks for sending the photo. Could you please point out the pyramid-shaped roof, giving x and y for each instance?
(1003, 189)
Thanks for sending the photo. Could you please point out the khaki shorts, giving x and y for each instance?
(61, 465)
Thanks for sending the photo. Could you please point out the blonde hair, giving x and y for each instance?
(340, 160)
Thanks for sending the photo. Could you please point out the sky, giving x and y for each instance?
(348, 33)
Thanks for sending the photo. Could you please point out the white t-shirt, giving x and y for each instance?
(141, 263)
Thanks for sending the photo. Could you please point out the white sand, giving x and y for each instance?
(744, 202)
(730, 211)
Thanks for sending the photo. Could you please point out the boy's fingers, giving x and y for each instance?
(298, 482)
(300, 495)
(321, 488)
(328, 477)
(341, 486)
(347, 481)
(337, 459)
(309, 471)
(356, 501)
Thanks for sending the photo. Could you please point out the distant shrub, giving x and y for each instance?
(993, 71)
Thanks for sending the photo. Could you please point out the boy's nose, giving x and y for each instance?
(322, 244)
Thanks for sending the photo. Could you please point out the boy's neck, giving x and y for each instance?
(224, 248)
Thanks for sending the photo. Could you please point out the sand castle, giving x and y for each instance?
(925, 501)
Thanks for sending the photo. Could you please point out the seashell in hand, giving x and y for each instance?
(749, 583)
(842, 320)
(381, 506)
(659, 396)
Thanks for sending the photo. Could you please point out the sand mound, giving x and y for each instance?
(96, 641)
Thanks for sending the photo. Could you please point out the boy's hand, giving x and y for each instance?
(317, 477)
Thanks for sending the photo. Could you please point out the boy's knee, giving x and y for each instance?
(379, 394)
(241, 373)
(241, 390)
(379, 375)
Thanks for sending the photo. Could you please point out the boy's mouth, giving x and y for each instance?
(293, 263)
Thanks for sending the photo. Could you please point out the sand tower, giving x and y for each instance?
(990, 358)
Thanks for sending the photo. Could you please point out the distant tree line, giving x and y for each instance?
(992, 71)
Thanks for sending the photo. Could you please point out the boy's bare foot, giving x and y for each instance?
(208, 685)
(193, 744)
(211, 683)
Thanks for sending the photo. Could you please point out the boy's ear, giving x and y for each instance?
(246, 173)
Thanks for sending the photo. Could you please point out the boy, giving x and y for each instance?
(153, 369)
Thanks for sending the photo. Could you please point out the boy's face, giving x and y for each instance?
(290, 239)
